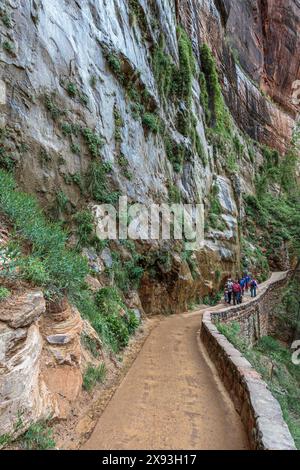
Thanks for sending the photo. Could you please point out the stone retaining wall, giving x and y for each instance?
(260, 412)
(256, 318)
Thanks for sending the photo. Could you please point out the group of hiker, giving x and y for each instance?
(235, 289)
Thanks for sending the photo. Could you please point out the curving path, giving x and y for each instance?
(171, 398)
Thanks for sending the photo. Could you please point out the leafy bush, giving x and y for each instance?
(85, 227)
(90, 344)
(51, 263)
(212, 300)
(34, 270)
(187, 66)
(151, 122)
(8, 46)
(105, 296)
(204, 97)
(115, 64)
(174, 194)
(127, 275)
(72, 89)
(38, 437)
(118, 124)
(4, 293)
(93, 375)
(97, 183)
(6, 20)
(132, 322)
(93, 140)
(163, 69)
(120, 320)
(118, 329)
(217, 111)
(52, 107)
(279, 218)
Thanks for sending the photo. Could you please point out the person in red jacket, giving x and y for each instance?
(237, 293)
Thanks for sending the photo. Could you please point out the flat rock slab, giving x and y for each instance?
(21, 311)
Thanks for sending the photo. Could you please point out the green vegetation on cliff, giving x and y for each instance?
(211, 92)
(59, 270)
(50, 264)
(273, 214)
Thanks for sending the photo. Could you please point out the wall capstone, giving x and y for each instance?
(260, 412)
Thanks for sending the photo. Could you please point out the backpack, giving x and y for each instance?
(253, 283)
(229, 286)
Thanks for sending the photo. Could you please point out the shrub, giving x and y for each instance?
(212, 300)
(93, 81)
(6, 20)
(118, 124)
(38, 437)
(75, 148)
(61, 201)
(83, 98)
(174, 194)
(7, 160)
(204, 97)
(215, 205)
(52, 107)
(124, 164)
(132, 322)
(186, 66)
(71, 89)
(85, 227)
(66, 128)
(63, 270)
(90, 344)
(93, 375)
(8, 46)
(111, 306)
(97, 183)
(270, 355)
(118, 329)
(85, 302)
(4, 293)
(137, 12)
(34, 270)
(231, 163)
(218, 112)
(151, 122)
(126, 275)
(163, 69)
(105, 296)
(93, 140)
(115, 64)
(175, 153)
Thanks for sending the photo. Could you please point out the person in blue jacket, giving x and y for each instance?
(243, 284)
(247, 282)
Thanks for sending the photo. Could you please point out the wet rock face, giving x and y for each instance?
(62, 71)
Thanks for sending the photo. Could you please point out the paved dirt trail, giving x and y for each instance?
(171, 398)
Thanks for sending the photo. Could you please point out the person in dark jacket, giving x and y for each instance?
(253, 287)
